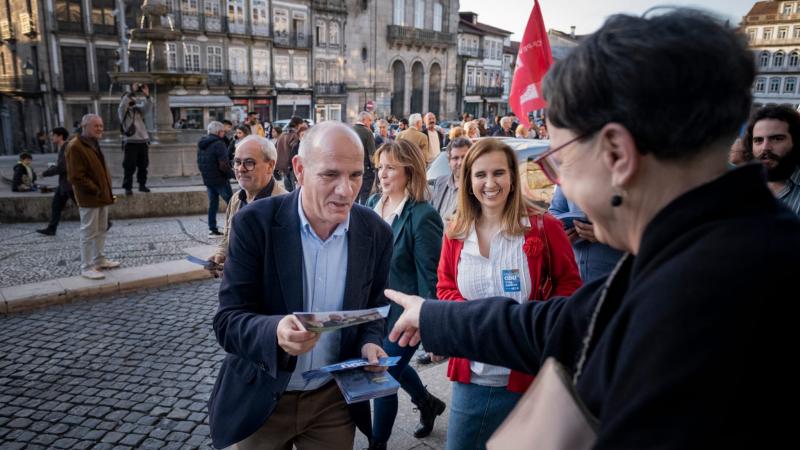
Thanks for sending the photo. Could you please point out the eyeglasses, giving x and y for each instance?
(550, 164)
(249, 164)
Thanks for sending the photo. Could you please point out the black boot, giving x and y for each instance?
(377, 446)
(428, 410)
(49, 231)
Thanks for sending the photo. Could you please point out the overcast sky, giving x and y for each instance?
(586, 15)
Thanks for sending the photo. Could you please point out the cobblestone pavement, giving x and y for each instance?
(130, 371)
(27, 256)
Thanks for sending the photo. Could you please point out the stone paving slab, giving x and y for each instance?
(29, 257)
(35, 295)
(134, 371)
(59, 291)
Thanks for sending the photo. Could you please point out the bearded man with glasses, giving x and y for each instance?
(253, 165)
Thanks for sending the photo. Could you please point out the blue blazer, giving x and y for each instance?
(417, 236)
(263, 282)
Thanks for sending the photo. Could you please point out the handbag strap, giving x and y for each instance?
(543, 234)
(587, 339)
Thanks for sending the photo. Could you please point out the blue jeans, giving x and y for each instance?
(475, 413)
(386, 407)
(214, 193)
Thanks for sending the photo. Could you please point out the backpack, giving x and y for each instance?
(126, 124)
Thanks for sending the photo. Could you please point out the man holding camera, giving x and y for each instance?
(135, 139)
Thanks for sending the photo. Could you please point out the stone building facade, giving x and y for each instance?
(401, 57)
(481, 67)
(25, 107)
(773, 32)
(319, 59)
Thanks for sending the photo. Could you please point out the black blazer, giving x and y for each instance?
(441, 137)
(690, 347)
(263, 282)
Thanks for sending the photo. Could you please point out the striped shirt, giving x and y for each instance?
(503, 274)
(790, 194)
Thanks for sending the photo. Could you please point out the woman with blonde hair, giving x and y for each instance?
(522, 132)
(471, 129)
(417, 229)
(454, 133)
(495, 248)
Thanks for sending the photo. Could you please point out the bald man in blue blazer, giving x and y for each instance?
(312, 250)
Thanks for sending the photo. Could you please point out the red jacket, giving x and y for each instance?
(564, 275)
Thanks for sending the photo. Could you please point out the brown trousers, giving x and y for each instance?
(308, 420)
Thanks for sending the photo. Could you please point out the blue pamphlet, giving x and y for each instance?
(196, 260)
(568, 217)
(360, 385)
(349, 364)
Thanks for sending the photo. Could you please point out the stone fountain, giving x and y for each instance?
(172, 152)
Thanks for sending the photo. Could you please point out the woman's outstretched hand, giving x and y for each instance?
(406, 329)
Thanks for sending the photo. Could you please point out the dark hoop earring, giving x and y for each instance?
(616, 200)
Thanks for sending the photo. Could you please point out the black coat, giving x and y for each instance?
(213, 162)
(368, 141)
(693, 345)
(263, 282)
(60, 169)
(442, 143)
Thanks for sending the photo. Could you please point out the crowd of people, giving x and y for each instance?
(647, 280)
(640, 259)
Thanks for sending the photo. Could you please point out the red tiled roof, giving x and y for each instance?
(767, 7)
(483, 28)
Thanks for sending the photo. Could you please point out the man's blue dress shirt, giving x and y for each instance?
(324, 274)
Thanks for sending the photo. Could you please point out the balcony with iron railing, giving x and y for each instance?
(484, 91)
(66, 26)
(758, 42)
(228, 78)
(424, 38)
(786, 68)
(329, 89)
(291, 40)
(772, 18)
(471, 52)
(190, 20)
(23, 84)
(104, 29)
(334, 6)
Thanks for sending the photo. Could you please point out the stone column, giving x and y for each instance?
(426, 86)
(407, 92)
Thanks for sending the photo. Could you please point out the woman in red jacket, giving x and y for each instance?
(494, 247)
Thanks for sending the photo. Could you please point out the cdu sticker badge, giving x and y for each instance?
(511, 282)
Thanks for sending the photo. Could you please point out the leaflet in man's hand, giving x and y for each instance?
(346, 365)
(333, 320)
(358, 385)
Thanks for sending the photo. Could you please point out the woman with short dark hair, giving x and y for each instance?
(676, 347)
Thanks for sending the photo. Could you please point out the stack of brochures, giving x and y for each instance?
(356, 383)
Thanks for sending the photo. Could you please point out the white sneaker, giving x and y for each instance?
(107, 264)
(92, 274)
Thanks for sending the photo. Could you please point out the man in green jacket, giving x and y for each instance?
(89, 177)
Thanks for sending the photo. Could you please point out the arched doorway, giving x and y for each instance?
(434, 88)
(417, 85)
(398, 88)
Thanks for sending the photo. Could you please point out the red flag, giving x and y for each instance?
(533, 60)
